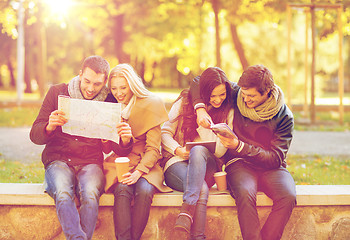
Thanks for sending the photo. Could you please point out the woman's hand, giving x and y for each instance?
(182, 152)
(131, 178)
(203, 118)
(56, 119)
(124, 131)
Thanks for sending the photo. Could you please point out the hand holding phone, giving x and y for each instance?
(224, 130)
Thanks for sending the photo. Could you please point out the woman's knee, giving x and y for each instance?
(199, 152)
(123, 190)
(144, 189)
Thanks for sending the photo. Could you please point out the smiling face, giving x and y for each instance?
(91, 83)
(218, 95)
(121, 90)
(252, 97)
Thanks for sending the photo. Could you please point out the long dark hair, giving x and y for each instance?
(210, 79)
(189, 118)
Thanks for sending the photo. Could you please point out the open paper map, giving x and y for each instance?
(92, 119)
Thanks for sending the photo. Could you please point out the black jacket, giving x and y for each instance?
(74, 150)
(265, 144)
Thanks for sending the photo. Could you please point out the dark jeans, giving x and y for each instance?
(130, 222)
(195, 175)
(278, 184)
(63, 183)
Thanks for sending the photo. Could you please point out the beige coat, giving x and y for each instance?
(145, 119)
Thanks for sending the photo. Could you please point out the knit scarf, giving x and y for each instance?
(74, 90)
(266, 110)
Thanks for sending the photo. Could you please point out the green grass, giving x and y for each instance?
(18, 116)
(305, 169)
(11, 95)
(319, 170)
(16, 172)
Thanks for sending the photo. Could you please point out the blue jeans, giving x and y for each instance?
(129, 223)
(278, 184)
(194, 177)
(63, 183)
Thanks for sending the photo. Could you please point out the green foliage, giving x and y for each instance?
(319, 170)
(169, 42)
(16, 172)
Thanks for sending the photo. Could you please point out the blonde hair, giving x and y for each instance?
(135, 83)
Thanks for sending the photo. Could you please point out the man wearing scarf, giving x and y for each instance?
(73, 164)
(255, 161)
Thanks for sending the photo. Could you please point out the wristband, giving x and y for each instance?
(199, 105)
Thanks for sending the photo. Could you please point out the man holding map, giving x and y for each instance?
(73, 163)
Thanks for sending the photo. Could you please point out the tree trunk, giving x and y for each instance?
(27, 49)
(12, 76)
(216, 8)
(119, 38)
(1, 83)
(238, 46)
(40, 69)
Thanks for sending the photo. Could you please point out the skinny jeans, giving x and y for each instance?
(130, 221)
(194, 178)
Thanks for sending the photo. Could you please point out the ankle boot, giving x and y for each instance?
(185, 218)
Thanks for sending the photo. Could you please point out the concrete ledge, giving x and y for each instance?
(322, 213)
(307, 195)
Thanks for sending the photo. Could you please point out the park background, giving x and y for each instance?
(170, 42)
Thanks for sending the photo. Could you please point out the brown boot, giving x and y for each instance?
(185, 218)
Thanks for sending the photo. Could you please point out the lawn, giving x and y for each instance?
(316, 169)
(305, 169)
(17, 172)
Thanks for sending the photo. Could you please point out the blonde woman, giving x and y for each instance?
(144, 112)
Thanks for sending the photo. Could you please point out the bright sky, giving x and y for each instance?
(59, 7)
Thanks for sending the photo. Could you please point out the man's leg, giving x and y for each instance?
(279, 185)
(90, 186)
(242, 182)
(60, 182)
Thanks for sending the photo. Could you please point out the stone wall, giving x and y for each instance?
(306, 223)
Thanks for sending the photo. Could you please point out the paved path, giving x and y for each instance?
(15, 144)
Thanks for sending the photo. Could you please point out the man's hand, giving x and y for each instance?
(203, 118)
(231, 143)
(182, 152)
(131, 178)
(124, 131)
(56, 119)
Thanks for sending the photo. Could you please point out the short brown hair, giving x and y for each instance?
(257, 76)
(96, 63)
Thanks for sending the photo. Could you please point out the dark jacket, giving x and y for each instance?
(265, 144)
(74, 150)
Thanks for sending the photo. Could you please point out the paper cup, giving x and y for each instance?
(122, 167)
(220, 180)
